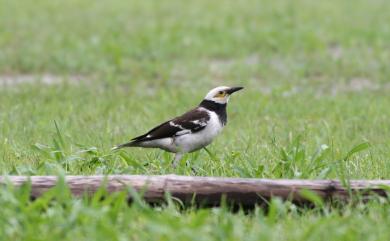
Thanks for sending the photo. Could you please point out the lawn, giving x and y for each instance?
(78, 77)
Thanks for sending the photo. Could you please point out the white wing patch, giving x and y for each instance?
(175, 125)
(183, 132)
(199, 122)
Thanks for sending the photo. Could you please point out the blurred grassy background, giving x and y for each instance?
(106, 72)
(317, 92)
(313, 71)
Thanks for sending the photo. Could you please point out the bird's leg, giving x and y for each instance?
(210, 153)
(207, 150)
(178, 156)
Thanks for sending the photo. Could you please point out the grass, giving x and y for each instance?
(315, 106)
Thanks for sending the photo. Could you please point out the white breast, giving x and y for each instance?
(195, 141)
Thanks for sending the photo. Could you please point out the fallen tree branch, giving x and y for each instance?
(205, 190)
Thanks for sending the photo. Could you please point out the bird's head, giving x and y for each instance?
(221, 94)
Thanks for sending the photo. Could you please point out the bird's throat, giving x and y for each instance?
(218, 108)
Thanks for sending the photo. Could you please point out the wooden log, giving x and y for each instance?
(205, 190)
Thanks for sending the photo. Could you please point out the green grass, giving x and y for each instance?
(317, 91)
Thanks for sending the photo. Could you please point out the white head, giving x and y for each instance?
(221, 94)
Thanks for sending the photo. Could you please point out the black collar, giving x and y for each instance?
(218, 108)
(211, 105)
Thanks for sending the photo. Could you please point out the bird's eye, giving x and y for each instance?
(220, 94)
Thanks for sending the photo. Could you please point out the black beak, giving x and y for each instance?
(234, 89)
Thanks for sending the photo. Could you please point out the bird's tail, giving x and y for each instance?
(128, 144)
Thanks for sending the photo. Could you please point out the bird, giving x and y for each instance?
(193, 130)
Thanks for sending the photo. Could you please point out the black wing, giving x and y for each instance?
(191, 122)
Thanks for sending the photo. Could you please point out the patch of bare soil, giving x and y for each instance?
(335, 51)
(357, 84)
(47, 79)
